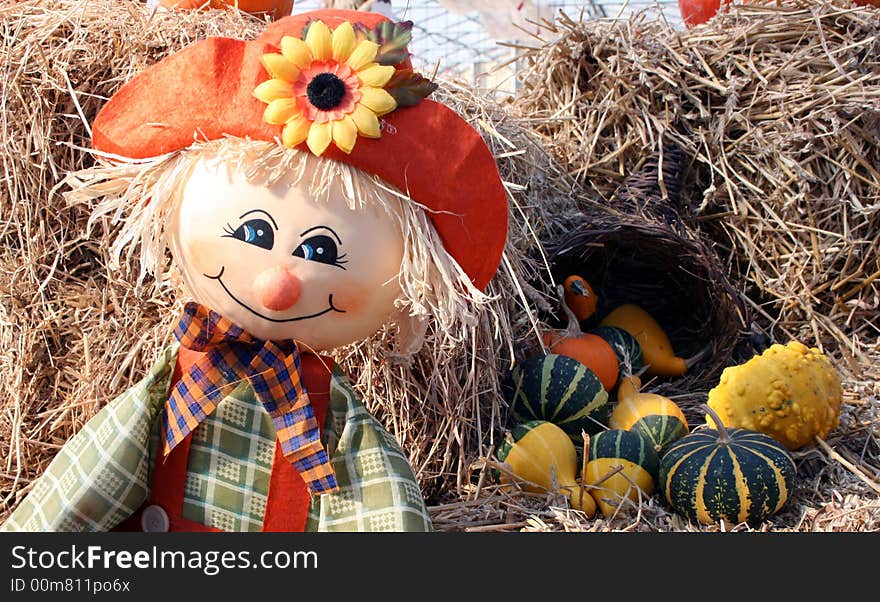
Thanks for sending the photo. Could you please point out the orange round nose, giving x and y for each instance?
(277, 289)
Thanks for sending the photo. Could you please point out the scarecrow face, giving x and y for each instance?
(283, 265)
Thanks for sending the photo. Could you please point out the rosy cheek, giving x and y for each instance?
(351, 297)
(203, 257)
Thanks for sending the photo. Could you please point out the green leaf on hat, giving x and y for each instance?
(409, 88)
(392, 39)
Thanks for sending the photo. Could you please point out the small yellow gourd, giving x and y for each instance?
(620, 464)
(790, 392)
(655, 417)
(540, 453)
(656, 346)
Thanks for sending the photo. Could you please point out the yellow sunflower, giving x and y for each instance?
(326, 88)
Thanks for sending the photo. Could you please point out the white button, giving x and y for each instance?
(154, 520)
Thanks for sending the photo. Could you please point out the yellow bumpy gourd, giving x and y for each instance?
(790, 392)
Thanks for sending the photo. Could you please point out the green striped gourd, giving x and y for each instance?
(560, 390)
(626, 347)
(735, 475)
(541, 453)
(656, 417)
(637, 459)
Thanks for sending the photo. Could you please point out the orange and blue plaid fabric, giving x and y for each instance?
(272, 368)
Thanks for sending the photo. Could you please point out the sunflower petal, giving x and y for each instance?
(344, 42)
(296, 51)
(377, 100)
(273, 89)
(319, 137)
(319, 40)
(363, 55)
(376, 75)
(280, 111)
(295, 132)
(279, 67)
(345, 134)
(366, 121)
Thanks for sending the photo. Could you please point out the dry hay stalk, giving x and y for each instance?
(778, 108)
(74, 334)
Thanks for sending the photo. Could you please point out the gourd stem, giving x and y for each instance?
(573, 328)
(723, 436)
(629, 387)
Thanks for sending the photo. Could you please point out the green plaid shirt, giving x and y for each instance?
(101, 476)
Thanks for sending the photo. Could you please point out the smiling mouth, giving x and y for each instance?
(330, 307)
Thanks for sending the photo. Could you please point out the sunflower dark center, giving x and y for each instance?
(326, 91)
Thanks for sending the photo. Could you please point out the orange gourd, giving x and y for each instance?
(580, 297)
(695, 12)
(591, 350)
(277, 8)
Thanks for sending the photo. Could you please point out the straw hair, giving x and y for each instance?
(134, 200)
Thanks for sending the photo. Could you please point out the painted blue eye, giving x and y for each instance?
(255, 232)
(321, 248)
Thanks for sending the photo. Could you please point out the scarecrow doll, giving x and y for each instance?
(310, 195)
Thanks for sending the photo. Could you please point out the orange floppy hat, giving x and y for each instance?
(207, 91)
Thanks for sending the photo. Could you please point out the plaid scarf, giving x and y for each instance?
(233, 355)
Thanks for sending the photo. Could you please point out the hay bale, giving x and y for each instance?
(755, 94)
(611, 97)
(777, 108)
(75, 334)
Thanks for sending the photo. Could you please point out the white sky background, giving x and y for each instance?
(454, 39)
